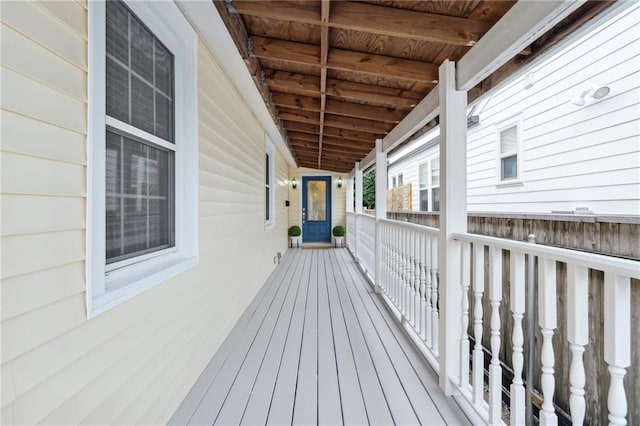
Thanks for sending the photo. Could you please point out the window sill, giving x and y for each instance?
(510, 183)
(135, 279)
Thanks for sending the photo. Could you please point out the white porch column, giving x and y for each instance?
(358, 178)
(358, 189)
(349, 183)
(381, 208)
(453, 218)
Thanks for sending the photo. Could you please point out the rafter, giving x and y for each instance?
(356, 124)
(348, 109)
(305, 103)
(299, 116)
(301, 127)
(282, 10)
(352, 134)
(407, 23)
(351, 91)
(346, 60)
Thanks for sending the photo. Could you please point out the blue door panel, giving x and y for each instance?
(316, 209)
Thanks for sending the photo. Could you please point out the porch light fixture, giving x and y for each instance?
(340, 182)
(596, 92)
(294, 183)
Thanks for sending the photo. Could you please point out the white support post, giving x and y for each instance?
(381, 209)
(358, 206)
(453, 218)
(350, 197)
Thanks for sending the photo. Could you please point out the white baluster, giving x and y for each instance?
(578, 335)
(617, 342)
(478, 354)
(464, 341)
(495, 370)
(428, 311)
(434, 293)
(518, 407)
(547, 320)
(423, 285)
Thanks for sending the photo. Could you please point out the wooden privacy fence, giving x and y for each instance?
(604, 235)
(399, 198)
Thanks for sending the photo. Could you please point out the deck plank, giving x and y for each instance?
(329, 406)
(257, 410)
(317, 346)
(282, 402)
(189, 405)
(215, 396)
(305, 411)
(236, 401)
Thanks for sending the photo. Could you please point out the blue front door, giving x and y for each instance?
(316, 209)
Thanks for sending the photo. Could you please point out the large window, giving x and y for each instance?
(142, 141)
(140, 145)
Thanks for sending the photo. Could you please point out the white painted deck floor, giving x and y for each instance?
(317, 346)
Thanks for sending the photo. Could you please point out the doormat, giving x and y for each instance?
(317, 245)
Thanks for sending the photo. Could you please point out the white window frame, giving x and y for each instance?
(268, 147)
(435, 159)
(426, 164)
(516, 122)
(110, 286)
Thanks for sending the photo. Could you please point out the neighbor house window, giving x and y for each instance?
(509, 147)
(423, 186)
(143, 149)
(435, 185)
(269, 185)
(400, 180)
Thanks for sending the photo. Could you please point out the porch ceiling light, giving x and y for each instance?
(596, 92)
(294, 183)
(340, 182)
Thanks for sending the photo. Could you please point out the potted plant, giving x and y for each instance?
(294, 235)
(338, 233)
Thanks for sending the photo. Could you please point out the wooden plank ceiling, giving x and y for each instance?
(337, 75)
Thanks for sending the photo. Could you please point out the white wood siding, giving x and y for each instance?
(573, 156)
(136, 362)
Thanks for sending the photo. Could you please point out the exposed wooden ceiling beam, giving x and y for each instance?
(307, 137)
(306, 103)
(299, 116)
(346, 60)
(351, 91)
(352, 134)
(282, 10)
(346, 143)
(373, 19)
(324, 52)
(356, 124)
(407, 23)
(348, 109)
(287, 82)
(301, 127)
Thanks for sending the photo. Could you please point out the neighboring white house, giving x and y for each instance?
(544, 142)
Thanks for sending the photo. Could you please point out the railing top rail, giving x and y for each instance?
(412, 226)
(366, 216)
(629, 268)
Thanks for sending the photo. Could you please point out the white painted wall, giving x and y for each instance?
(134, 363)
(572, 156)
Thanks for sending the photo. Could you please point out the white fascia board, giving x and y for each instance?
(211, 29)
(420, 115)
(524, 23)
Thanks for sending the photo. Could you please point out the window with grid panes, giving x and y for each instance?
(140, 145)
(509, 153)
(423, 186)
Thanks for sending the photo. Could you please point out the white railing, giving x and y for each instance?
(617, 323)
(409, 276)
(365, 242)
(351, 231)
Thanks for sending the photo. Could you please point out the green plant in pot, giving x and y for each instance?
(338, 233)
(294, 235)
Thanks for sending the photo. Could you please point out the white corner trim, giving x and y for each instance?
(206, 20)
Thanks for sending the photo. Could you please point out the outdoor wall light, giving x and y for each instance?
(340, 182)
(597, 92)
(294, 183)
